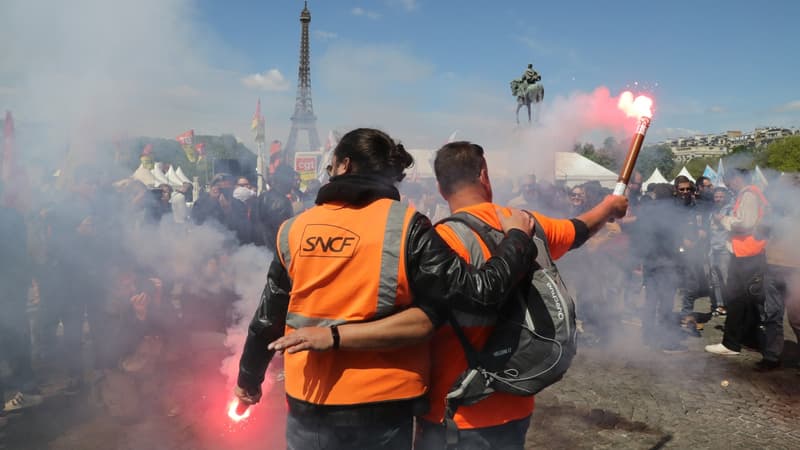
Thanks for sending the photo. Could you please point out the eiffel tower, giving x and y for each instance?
(303, 118)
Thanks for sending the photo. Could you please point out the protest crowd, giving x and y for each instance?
(79, 300)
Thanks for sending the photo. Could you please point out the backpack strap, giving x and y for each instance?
(492, 236)
(485, 233)
(489, 235)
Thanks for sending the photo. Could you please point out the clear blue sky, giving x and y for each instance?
(713, 65)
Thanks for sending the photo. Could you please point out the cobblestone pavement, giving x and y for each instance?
(615, 396)
(626, 397)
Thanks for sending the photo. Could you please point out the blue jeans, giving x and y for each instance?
(509, 436)
(313, 433)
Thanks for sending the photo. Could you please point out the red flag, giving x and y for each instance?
(200, 147)
(186, 138)
(148, 149)
(274, 156)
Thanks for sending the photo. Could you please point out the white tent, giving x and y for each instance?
(655, 178)
(575, 169)
(173, 178)
(144, 176)
(182, 176)
(685, 173)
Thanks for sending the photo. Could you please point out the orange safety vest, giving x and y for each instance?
(448, 353)
(748, 245)
(347, 264)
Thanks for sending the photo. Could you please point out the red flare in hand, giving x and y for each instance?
(642, 108)
(238, 411)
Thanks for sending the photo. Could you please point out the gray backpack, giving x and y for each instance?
(534, 339)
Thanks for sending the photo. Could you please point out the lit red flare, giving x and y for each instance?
(238, 411)
(640, 107)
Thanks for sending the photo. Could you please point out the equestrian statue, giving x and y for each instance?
(529, 91)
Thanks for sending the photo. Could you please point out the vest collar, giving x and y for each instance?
(357, 190)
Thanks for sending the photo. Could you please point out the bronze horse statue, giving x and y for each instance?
(527, 94)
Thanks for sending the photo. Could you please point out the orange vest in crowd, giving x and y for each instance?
(449, 360)
(347, 264)
(748, 245)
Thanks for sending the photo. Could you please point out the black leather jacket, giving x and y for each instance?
(272, 209)
(438, 278)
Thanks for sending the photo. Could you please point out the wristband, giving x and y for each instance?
(336, 337)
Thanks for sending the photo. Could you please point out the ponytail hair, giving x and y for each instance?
(373, 152)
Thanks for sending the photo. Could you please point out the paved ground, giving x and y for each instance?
(623, 396)
(616, 395)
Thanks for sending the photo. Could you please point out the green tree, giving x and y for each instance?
(601, 156)
(742, 149)
(654, 157)
(784, 154)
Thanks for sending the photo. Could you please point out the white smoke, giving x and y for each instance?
(563, 121)
(249, 265)
(88, 70)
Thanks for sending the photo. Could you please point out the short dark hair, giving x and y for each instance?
(683, 179)
(661, 190)
(457, 164)
(701, 179)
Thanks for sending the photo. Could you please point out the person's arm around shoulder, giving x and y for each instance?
(408, 327)
(437, 273)
(436, 287)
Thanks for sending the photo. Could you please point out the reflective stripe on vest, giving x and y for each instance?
(346, 265)
(747, 245)
(476, 258)
(393, 245)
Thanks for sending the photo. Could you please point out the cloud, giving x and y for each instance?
(325, 35)
(271, 80)
(83, 87)
(408, 5)
(716, 109)
(792, 106)
(357, 11)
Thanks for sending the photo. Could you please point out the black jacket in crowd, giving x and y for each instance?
(438, 278)
(271, 210)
